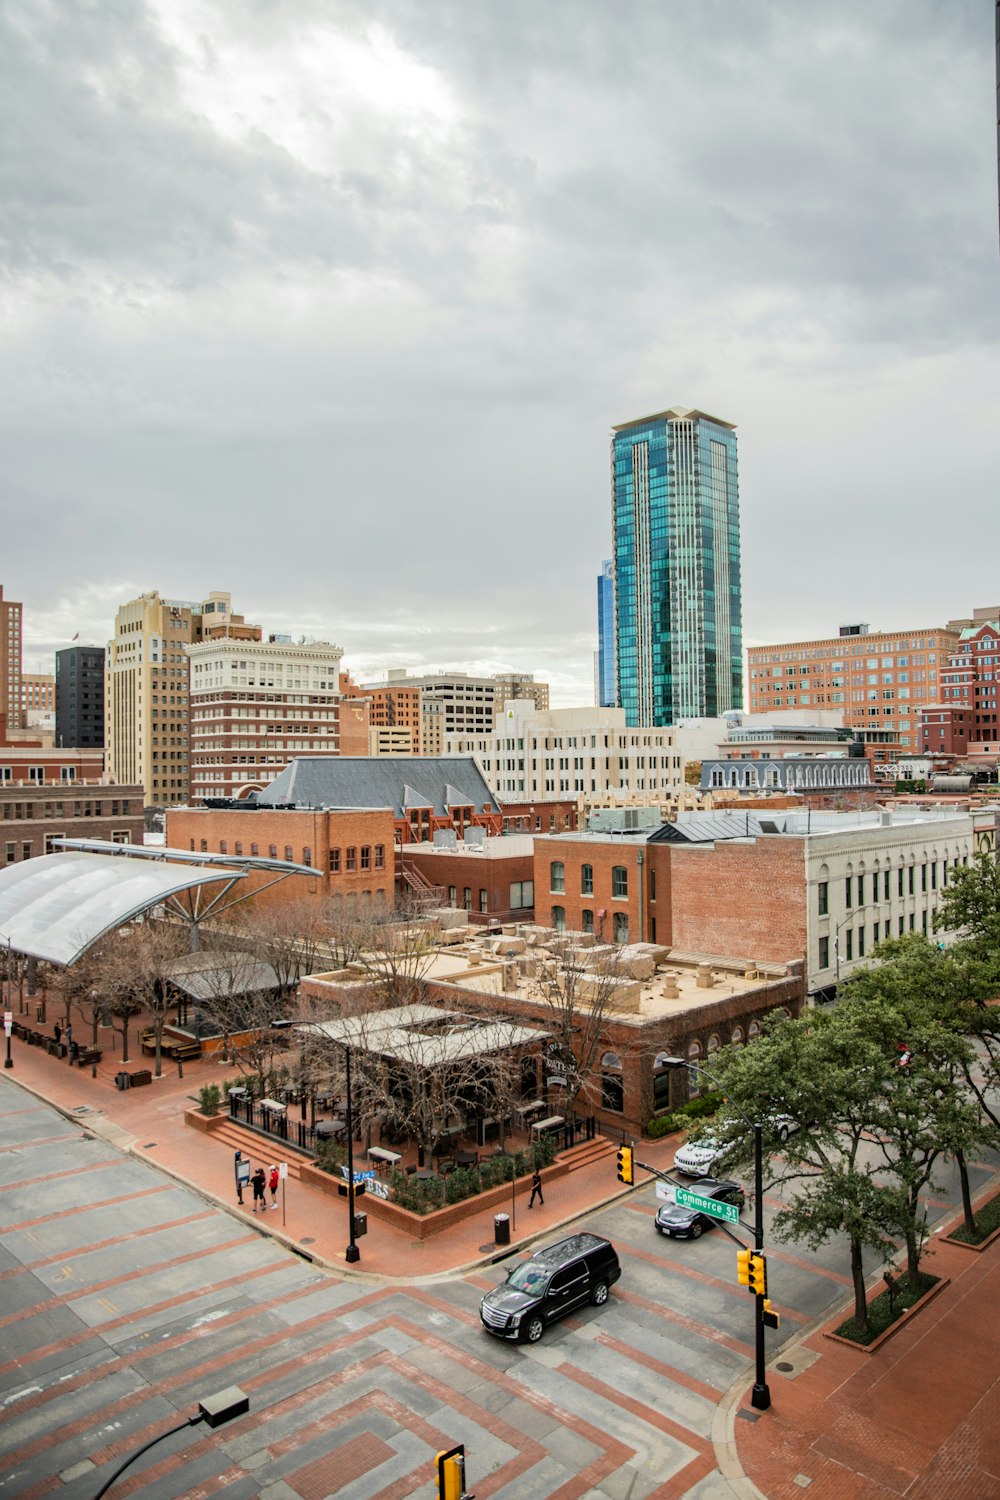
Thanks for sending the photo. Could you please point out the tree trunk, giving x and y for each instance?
(125, 1056)
(963, 1177)
(858, 1278)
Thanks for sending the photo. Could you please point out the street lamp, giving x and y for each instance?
(8, 1019)
(352, 1253)
(760, 1397)
(223, 1407)
(836, 939)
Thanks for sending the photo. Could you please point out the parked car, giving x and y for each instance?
(688, 1223)
(701, 1158)
(555, 1280)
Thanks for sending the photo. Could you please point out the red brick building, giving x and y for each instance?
(494, 878)
(963, 715)
(352, 851)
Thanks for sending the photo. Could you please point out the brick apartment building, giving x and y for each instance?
(963, 718)
(768, 886)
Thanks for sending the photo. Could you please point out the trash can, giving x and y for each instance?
(501, 1229)
(122, 1080)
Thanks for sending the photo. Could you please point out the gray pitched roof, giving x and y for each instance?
(399, 782)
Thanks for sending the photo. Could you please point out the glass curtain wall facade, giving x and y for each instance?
(606, 687)
(676, 526)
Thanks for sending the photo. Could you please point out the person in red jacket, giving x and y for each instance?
(272, 1183)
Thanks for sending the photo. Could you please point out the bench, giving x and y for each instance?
(86, 1056)
(183, 1051)
(544, 1127)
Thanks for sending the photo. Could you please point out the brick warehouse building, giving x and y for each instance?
(352, 850)
(767, 886)
(491, 877)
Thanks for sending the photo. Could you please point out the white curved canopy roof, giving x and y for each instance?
(57, 906)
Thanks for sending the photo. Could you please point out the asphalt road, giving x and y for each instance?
(125, 1297)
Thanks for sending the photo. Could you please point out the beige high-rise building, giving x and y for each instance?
(146, 689)
(256, 706)
(11, 658)
(450, 703)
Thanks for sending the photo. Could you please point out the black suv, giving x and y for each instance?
(554, 1281)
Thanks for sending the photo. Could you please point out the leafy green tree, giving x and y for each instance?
(970, 906)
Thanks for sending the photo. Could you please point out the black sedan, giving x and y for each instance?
(688, 1223)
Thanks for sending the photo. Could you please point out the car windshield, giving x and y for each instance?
(529, 1277)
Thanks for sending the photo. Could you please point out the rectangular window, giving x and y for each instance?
(452, 895)
(380, 856)
(824, 952)
(861, 942)
(912, 878)
(557, 875)
(849, 891)
(619, 881)
(11, 853)
(467, 897)
(289, 853)
(335, 861)
(484, 900)
(307, 856)
(885, 888)
(351, 858)
(900, 872)
(586, 880)
(861, 890)
(824, 900)
(849, 943)
(366, 856)
(522, 895)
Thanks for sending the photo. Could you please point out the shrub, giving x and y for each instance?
(210, 1097)
(330, 1156)
(660, 1126)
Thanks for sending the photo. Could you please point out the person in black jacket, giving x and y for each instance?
(259, 1184)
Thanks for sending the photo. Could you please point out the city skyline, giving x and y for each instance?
(293, 298)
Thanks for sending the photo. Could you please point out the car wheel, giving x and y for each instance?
(783, 1134)
(600, 1294)
(533, 1330)
(697, 1230)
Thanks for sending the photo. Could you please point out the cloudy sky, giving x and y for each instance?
(333, 305)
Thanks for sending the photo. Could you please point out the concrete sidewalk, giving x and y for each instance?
(920, 1416)
(149, 1122)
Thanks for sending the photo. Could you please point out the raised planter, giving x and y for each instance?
(205, 1123)
(901, 1322)
(991, 1238)
(425, 1226)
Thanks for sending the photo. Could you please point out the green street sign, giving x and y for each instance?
(710, 1206)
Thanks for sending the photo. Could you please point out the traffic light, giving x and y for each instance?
(626, 1172)
(743, 1267)
(758, 1274)
(771, 1318)
(451, 1473)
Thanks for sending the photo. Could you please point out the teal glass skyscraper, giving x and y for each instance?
(676, 519)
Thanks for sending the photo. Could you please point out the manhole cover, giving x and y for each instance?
(307, 1239)
(485, 1249)
(784, 1366)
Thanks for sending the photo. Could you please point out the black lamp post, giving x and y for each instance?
(760, 1398)
(352, 1253)
(9, 1011)
(215, 1410)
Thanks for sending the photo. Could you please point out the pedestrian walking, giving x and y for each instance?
(259, 1184)
(536, 1189)
(272, 1183)
(239, 1179)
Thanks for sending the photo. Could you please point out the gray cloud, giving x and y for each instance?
(334, 307)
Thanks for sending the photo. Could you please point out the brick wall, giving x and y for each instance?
(475, 872)
(738, 898)
(310, 837)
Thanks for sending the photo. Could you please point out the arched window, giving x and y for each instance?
(612, 1083)
(661, 1082)
(753, 1030)
(559, 918)
(557, 875)
(586, 880)
(621, 927)
(713, 1043)
(737, 1036)
(587, 918)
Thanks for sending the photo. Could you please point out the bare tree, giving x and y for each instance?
(139, 962)
(576, 1005)
(245, 1001)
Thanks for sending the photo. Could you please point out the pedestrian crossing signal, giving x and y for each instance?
(626, 1172)
(771, 1318)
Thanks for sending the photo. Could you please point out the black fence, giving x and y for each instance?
(300, 1135)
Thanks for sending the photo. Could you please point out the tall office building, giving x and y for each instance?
(11, 659)
(605, 683)
(256, 706)
(676, 520)
(80, 696)
(146, 689)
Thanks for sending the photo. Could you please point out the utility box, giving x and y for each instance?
(360, 1225)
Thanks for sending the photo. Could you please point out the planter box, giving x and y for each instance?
(425, 1226)
(901, 1322)
(991, 1238)
(205, 1123)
